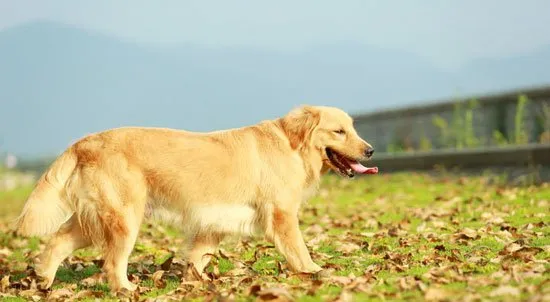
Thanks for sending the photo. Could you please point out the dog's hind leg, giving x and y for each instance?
(67, 239)
(119, 245)
(112, 215)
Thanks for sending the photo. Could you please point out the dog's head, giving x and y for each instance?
(330, 131)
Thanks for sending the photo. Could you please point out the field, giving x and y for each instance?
(398, 237)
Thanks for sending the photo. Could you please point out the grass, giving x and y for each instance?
(11, 201)
(396, 237)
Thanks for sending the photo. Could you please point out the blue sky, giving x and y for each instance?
(510, 37)
(447, 32)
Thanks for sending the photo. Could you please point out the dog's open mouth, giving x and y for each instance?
(347, 166)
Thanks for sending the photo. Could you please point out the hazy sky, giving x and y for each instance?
(447, 32)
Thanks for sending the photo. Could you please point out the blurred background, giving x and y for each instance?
(418, 76)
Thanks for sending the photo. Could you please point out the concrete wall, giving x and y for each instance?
(407, 126)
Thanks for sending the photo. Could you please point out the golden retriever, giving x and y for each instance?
(250, 180)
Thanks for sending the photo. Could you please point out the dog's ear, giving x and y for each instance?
(299, 124)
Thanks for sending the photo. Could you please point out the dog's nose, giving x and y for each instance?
(369, 152)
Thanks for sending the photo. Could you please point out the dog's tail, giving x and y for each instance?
(48, 205)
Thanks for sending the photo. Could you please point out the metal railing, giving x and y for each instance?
(488, 121)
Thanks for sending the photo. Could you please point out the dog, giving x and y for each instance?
(248, 181)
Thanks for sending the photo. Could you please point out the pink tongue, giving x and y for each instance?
(359, 168)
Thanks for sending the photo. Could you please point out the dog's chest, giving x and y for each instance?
(309, 192)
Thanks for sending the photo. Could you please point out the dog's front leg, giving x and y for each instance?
(285, 233)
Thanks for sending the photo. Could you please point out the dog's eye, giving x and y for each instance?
(340, 131)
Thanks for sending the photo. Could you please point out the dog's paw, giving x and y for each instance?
(124, 288)
(127, 293)
(318, 272)
(131, 287)
(43, 283)
(313, 269)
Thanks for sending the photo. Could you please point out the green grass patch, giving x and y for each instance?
(387, 235)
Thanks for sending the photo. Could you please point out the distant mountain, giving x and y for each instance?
(495, 74)
(58, 83)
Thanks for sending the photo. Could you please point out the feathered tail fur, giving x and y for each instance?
(48, 205)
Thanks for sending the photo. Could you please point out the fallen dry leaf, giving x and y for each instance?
(465, 235)
(275, 294)
(59, 295)
(345, 296)
(505, 290)
(87, 294)
(436, 294)
(157, 279)
(348, 248)
(4, 284)
(93, 280)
